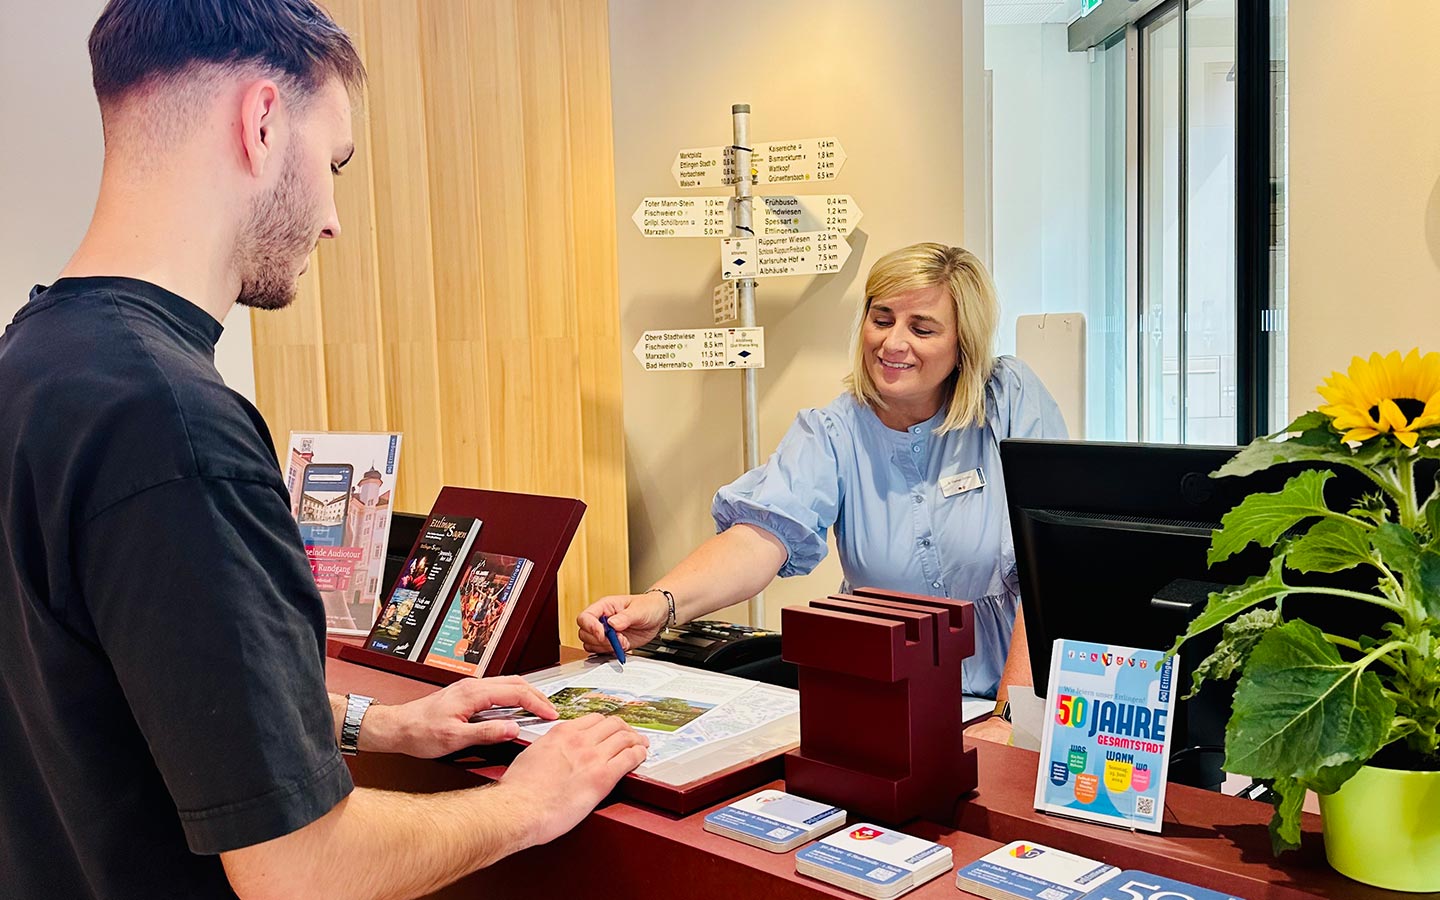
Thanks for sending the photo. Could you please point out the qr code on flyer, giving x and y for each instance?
(1145, 806)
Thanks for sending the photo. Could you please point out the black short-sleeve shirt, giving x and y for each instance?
(162, 690)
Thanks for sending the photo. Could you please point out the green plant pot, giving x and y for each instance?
(1383, 828)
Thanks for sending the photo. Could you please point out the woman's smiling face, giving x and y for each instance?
(911, 351)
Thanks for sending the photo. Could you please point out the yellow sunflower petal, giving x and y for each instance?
(1407, 438)
(1352, 419)
(1427, 383)
(1359, 434)
(1391, 415)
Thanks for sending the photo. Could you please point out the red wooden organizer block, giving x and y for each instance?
(880, 712)
(535, 527)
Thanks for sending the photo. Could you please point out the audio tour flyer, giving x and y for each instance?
(1106, 744)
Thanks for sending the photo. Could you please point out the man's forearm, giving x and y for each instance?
(433, 840)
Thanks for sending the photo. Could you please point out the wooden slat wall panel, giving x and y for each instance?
(402, 240)
(593, 239)
(450, 133)
(290, 363)
(472, 299)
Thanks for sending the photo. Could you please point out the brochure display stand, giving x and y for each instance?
(880, 713)
(534, 527)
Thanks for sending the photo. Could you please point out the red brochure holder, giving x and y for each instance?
(880, 711)
(535, 527)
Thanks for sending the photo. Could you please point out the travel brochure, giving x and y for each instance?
(680, 710)
(489, 586)
(342, 489)
(1022, 870)
(425, 580)
(1105, 751)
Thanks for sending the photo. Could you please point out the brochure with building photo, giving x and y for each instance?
(489, 587)
(1104, 755)
(342, 489)
(425, 581)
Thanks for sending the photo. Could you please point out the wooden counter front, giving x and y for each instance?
(632, 851)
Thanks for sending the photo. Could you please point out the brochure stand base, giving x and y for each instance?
(880, 713)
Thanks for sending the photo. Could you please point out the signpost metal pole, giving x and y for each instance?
(750, 420)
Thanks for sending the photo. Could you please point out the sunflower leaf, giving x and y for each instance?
(1285, 823)
(1231, 602)
(1301, 709)
(1233, 651)
(1263, 454)
(1432, 514)
(1419, 566)
(1307, 422)
(1263, 518)
(1331, 545)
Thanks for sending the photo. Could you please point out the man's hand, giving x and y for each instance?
(637, 618)
(440, 723)
(561, 777)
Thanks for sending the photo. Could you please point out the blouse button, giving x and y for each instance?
(935, 584)
(924, 542)
(919, 498)
(915, 447)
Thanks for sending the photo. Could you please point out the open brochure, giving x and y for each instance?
(684, 712)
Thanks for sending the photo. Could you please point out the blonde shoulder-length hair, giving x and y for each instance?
(977, 312)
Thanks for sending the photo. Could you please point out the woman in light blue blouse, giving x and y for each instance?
(905, 466)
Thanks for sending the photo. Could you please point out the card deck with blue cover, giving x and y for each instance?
(873, 861)
(1022, 870)
(774, 820)
(1131, 883)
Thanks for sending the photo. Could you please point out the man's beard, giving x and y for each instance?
(276, 235)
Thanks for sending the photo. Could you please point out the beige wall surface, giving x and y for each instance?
(50, 159)
(887, 80)
(1364, 84)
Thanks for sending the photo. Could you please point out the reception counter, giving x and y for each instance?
(626, 850)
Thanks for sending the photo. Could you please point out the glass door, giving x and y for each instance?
(1187, 310)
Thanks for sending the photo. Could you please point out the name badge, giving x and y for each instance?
(960, 484)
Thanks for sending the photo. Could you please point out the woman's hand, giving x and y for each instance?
(637, 618)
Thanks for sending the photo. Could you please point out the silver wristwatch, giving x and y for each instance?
(355, 707)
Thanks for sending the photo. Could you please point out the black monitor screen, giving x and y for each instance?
(1102, 529)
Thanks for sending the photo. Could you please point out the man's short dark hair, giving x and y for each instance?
(137, 41)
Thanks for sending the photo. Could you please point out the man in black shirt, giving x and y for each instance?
(163, 712)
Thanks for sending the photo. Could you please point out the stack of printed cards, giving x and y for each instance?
(775, 821)
(1131, 883)
(1031, 872)
(874, 861)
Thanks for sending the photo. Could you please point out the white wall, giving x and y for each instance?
(1041, 151)
(887, 79)
(1364, 89)
(50, 159)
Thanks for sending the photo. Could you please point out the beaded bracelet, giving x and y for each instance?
(669, 599)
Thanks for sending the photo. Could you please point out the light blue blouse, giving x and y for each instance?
(880, 490)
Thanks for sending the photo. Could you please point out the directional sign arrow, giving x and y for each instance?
(701, 348)
(774, 162)
(803, 253)
(683, 216)
(787, 214)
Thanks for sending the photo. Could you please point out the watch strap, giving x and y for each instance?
(356, 706)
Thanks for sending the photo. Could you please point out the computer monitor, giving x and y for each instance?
(1101, 529)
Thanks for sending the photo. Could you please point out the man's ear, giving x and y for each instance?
(259, 115)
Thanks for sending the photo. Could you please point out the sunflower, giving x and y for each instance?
(1385, 395)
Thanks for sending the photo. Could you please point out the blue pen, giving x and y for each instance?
(614, 637)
